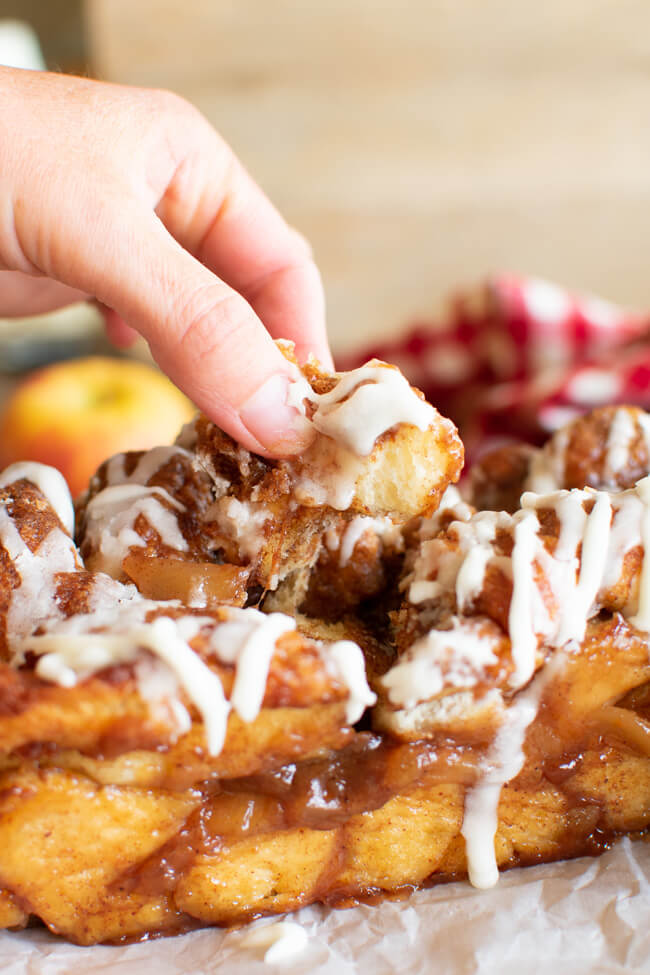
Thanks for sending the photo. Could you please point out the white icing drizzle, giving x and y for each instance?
(622, 433)
(363, 405)
(547, 468)
(146, 467)
(422, 590)
(471, 574)
(643, 423)
(110, 519)
(520, 615)
(50, 482)
(328, 476)
(355, 530)
(436, 559)
(641, 618)
(348, 663)
(34, 599)
(159, 687)
(503, 762)
(241, 522)
(625, 534)
(451, 502)
(116, 630)
(248, 639)
(68, 656)
(592, 566)
(576, 598)
(453, 565)
(116, 470)
(455, 657)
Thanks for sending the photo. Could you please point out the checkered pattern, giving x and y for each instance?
(519, 357)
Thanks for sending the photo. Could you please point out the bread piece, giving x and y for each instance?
(275, 515)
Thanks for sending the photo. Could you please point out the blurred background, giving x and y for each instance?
(418, 146)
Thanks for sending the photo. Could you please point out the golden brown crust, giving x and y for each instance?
(586, 447)
(389, 816)
(499, 477)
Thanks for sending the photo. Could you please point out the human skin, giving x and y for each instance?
(130, 197)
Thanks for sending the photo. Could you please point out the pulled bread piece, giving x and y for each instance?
(379, 452)
(321, 527)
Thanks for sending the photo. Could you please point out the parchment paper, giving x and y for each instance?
(572, 918)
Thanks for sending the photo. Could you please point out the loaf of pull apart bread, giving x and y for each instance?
(247, 685)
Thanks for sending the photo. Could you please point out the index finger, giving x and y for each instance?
(229, 224)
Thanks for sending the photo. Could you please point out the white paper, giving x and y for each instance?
(571, 918)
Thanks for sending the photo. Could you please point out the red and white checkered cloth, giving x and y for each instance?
(518, 357)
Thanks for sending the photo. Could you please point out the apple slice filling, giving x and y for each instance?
(197, 584)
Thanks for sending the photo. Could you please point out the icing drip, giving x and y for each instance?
(69, 656)
(456, 657)
(641, 618)
(555, 591)
(547, 468)
(435, 557)
(50, 482)
(575, 596)
(520, 615)
(354, 531)
(471, 574)
(248, 639)
(451, 503)
(348, 663)
(116, 630)
(502, 763)
(643, 423)
(329, 478)
(578, 608)
(622, 433)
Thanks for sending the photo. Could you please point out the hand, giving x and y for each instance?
(129, 196)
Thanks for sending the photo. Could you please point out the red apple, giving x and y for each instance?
(73, 415)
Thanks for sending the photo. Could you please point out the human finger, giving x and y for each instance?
(231, 226)
(202, 333)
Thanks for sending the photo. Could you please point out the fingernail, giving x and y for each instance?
(281, 428)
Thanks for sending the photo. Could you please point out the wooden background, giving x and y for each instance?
(420, 144)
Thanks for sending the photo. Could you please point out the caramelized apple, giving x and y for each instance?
(199, 584)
